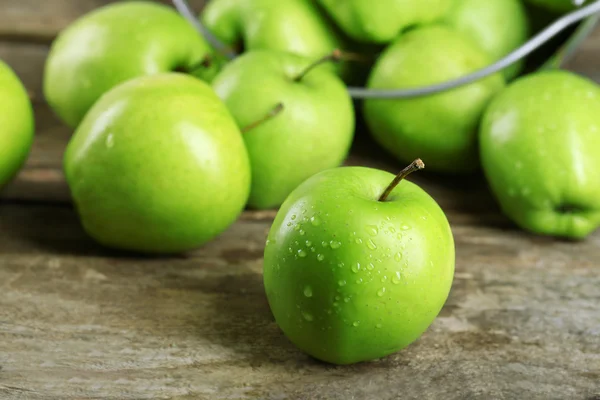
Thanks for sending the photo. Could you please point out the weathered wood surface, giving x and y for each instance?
(78, 321)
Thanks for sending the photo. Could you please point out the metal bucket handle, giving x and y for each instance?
(589, 13)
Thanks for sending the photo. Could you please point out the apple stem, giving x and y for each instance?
(206, 62)
(334, 56)
(272, 113)
(414, 166)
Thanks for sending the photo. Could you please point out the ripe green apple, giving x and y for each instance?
(441, 128)
(16, 124)
(350, 278)
(115, 43)
(158, 165)
(312, 132)
(558, 5)
(540, 151)
(381, 21)
(496, 26)
(295, 26)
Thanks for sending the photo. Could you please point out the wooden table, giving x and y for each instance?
(78, 321)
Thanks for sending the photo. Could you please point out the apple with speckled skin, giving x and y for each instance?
(312, 131)
(355, 267)
(16, 124)
(540, 151)
(496, 26)
(381, 21)
(115, 43)
(440, 128)
(158, 165)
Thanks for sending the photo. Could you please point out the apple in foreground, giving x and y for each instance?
(115, 43)
(355, 267)
(441, 128)
(158, 165)
(540, 152)
(16, 124)
(309, 125)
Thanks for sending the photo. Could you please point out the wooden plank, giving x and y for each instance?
(77, 321)
(41, 21)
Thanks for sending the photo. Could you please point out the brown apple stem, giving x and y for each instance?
(414, 166)
(334, 56)
(272, 113)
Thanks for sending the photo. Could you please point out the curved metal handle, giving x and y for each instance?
(363, 93)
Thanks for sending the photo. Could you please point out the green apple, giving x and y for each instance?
(350, 277)
(113, 44)
(441, 128)
(381, 21)
(158, 165)
(560, 6)
(295, 26)
(16, 124)
(540, 151)
(313, 130)
(496, 26)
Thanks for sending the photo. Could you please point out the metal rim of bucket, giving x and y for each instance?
(588, 16)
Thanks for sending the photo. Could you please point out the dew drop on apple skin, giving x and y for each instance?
(397, 278)
(334, 244)
(371, 244)
(315, 220)
(356, 323)
(293, 217)
(355, 268)
(320, 257)
(398, 257)
(370, 267)
(358, 241)
(405, 227)
(381, 292)
(301, 253)
(308, 291)
(372, 230)
(342, 282)
(110, 141)
(307, 316)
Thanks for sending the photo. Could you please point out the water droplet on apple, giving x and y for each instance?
(268, 242)
(372, 230)
(371, 244)
(381, 292)
(110, 140)
(342, 282)
(308, 243)
(289, 224)
(290, 249)
(304, 211)
(359, 281)
(384, 278)
(378, 326)
(308, 291)
(312, 249)
(293, 217)
(297, 227)
(399, 236)
(355, 268)
(396, 278)
(341, 265)
(324, 243)
(301, 253)
(356, 323)
(336, 304)
(301, 232)
(320, 257)
(392, 229)
(307, 316)
(358, 241)
(335, 244)
(316, 221)
(405, 227)
(346, 299)
(370, 267)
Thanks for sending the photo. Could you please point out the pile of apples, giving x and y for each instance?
(173, 140)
